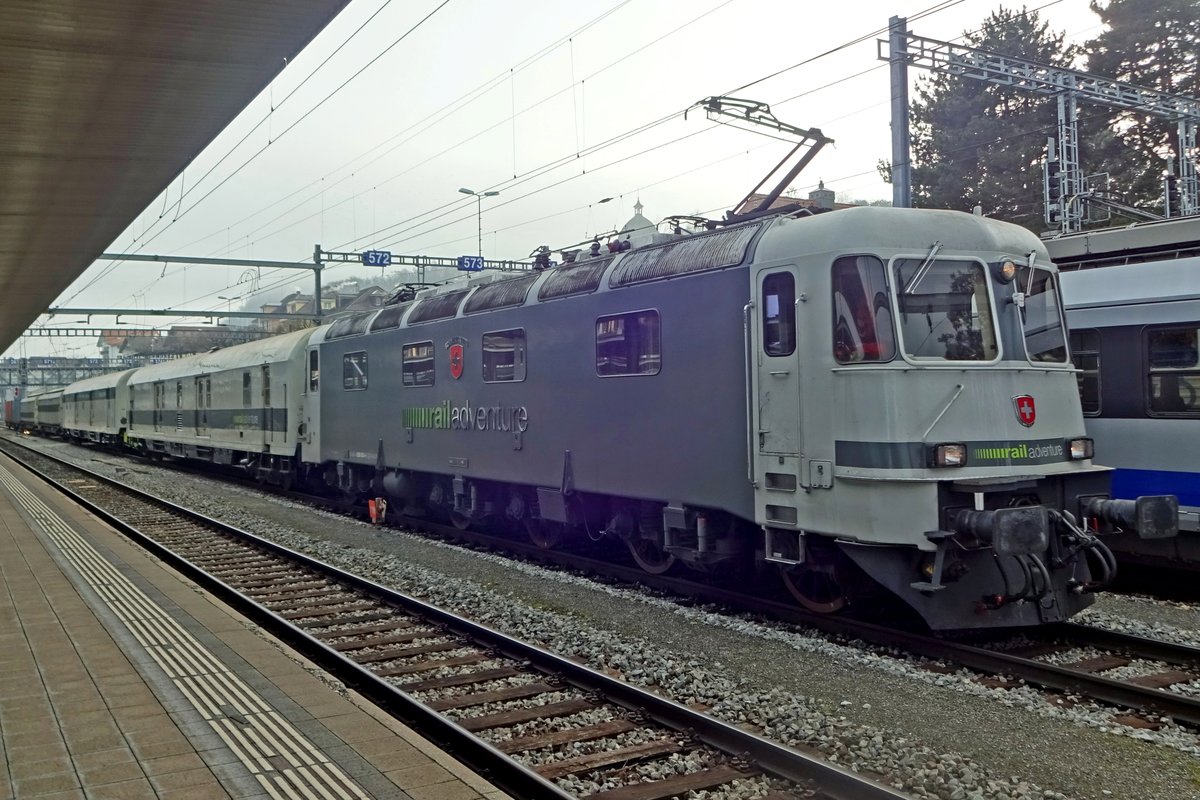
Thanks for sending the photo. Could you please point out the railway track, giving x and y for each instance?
(1045, 662)
(536, 724)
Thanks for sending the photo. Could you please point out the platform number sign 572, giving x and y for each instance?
(376, 258)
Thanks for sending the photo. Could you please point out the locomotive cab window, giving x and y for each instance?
(628, 344)
(862, 313)
(1085, 352)
(504, 356)
(314, 370)
(779, 314)
(945, 311)
(1042, 317)
(1173, 359)
(354, 371)
(417, 362)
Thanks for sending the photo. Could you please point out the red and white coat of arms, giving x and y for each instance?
(1026, 411)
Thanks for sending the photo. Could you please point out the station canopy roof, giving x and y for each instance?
(105, 102)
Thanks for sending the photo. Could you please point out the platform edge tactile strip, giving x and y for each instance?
(281, 758)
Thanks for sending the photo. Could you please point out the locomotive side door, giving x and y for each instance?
(202, 398)
(311, 438)
(268, 409)
(773, 367)
(159, 403)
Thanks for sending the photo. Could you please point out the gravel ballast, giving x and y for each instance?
(932, 734)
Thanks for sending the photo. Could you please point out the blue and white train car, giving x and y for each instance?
(1133, 306)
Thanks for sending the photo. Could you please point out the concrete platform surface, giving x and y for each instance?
(121, 680)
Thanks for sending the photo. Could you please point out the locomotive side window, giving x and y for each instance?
(246, 395)
(314, 370)
(1041, 317)
(504, 356)
(945, 313)
(862, 314)
(779, 314)
(1173, 358)
(628, 344)
(418, 364)
(1085, 352)
(354, 371)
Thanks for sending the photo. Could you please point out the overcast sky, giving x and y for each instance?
(563, 96)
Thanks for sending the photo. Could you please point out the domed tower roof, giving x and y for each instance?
(638, 227)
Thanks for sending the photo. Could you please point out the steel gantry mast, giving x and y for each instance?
(1066, 188)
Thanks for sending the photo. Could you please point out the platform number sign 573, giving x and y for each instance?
(376, 258)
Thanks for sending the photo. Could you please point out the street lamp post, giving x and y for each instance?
(228, 303)
(479, 212)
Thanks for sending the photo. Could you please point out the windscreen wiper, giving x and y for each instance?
(919, 275)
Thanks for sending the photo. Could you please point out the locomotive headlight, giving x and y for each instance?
(949, 455)
(1081, 448)
(1005, 270)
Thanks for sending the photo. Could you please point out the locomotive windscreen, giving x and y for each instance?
(944, 310)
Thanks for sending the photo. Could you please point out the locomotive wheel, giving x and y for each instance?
(460, 521)
(650, 555)
(545, 534)
(817, 587)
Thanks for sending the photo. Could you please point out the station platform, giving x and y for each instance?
(121, 680)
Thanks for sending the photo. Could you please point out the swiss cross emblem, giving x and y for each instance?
(1026, 412)
(456, 360)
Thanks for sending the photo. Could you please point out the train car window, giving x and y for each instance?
(439, 306)
(779, 314)
(179, 395)
(340, 328)
(1085, 353)
(578, 278)
(863, 329)
(314, 370)
(1173, 359)
(945, 312)
(354, 371)
(698, 253)
(629, 344)
(505, 292)
(1041, 317)
(266, 390)
(504, 356)
(389, 318)
(417, 360)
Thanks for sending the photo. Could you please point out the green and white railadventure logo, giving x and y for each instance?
(986, 454)
(467, 417)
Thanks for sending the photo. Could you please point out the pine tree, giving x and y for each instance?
(975, 143)
(1154, 44)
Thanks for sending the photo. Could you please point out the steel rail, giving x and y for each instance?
(1182, 708)
(507, 773)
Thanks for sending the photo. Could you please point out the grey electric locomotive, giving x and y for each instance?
(869, 392)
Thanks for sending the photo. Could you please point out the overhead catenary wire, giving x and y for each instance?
(931, 10)
(426, 123)
(180, 213)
